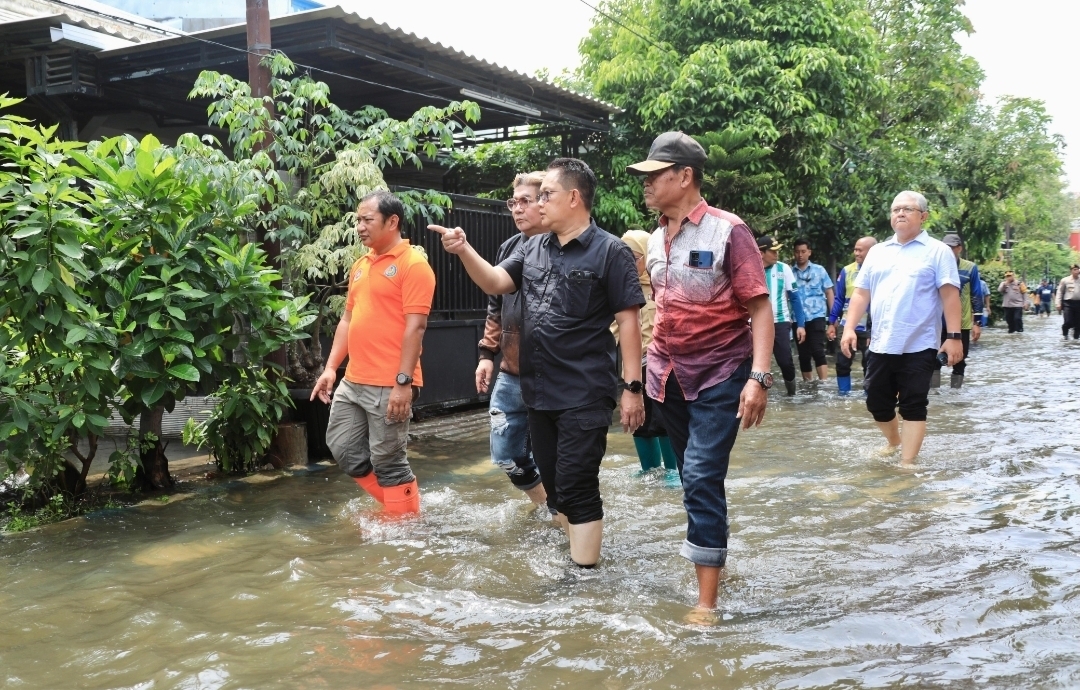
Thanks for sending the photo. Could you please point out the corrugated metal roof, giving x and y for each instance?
(86, 14)
(412, 39)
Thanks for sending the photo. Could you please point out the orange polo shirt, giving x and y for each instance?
(383, 288)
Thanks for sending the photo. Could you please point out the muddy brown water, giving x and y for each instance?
(844, 569)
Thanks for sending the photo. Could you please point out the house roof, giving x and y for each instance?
(421, 44)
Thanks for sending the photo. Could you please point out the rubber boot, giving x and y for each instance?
(648, 452)
(370, 484)
(956, 381)
(843, 384)
(790, 386)
(935, 379)
(670, 461)
(585, 543)
(672, 478)
(402, 499)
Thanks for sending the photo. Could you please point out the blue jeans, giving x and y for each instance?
(510, 449)
(702, 434)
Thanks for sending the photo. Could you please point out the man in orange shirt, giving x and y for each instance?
(381, 331)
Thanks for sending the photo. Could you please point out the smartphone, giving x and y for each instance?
(700, 258)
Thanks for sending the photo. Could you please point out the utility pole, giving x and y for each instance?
(258, 45)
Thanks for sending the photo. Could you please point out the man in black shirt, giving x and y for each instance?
(574, 280)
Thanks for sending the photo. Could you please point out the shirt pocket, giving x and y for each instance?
(578, 287)
(534, 285)
(696, 285)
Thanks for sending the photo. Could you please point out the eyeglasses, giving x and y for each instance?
(897, 210)
(544, 197)
(523, 201)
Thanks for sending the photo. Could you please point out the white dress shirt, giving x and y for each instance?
(903, 280)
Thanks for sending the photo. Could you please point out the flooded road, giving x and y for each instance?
(844, 568)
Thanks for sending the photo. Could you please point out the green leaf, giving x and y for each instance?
(27, 231)
(152, 393)
(78, 420)
(42, 280)
(70, 250)
(178, 313)
(184, 371)
(76, 336)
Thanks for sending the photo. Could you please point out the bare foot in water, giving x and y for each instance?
(701, 616)
(887, 451)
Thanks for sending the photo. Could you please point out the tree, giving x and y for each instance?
(56, 344)
(991, 158)
(177, 273)
(330, 158)
(1037, 259)
(783, 75)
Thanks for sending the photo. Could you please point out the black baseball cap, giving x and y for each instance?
(767, 242)
(952, 240)
(668, 149)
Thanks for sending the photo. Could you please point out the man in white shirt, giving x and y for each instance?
(911, 279)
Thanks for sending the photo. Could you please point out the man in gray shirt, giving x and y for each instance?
(1012, 303)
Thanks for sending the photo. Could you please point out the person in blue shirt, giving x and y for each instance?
(985, 321)
(816, 291)
(845, 287)
(1046, 296)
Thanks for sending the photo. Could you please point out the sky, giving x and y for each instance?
(1026, 48)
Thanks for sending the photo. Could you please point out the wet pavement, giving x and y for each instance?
(845, 569)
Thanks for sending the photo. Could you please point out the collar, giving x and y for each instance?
(584, 238)
(695, 215)
(921, 238)
(399, 249)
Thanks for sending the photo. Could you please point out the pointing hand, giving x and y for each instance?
(453, 240)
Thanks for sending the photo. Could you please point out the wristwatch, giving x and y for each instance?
(954, 336)
(764, 378)
(403, 379)
(632, 386)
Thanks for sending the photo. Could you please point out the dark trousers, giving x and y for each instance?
(1014, 318)
(1071, 312)
(781, 350)
(813, 346)
(899, 381)
(568, 446)
(959, 367)
(843, 362)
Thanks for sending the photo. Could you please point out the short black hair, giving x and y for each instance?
(699, 175)
(388, 205)
(802, 240)
(575, 173)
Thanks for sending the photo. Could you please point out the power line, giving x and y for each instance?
(311, 68)
(608, 16)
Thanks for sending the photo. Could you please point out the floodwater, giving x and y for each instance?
(845, 569)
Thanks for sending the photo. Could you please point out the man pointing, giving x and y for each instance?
(574, 280)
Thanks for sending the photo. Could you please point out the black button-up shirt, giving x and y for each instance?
(571, 294)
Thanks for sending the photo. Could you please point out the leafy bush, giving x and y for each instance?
(242, 425)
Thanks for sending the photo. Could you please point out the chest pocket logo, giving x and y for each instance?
(391, 272)
(356, 276)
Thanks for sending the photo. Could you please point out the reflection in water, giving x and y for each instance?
(845, 568)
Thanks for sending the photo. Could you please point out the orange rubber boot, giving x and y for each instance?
(371, 485)
(402, 499)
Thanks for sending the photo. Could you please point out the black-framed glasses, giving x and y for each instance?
(523, 201)
(545, 196)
